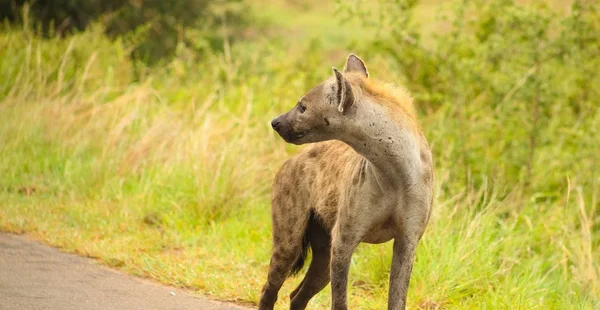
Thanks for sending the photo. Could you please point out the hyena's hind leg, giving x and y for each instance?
(317, 276)
(290, 221)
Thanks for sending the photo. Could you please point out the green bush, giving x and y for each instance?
(164, 23)
(515, 78)
(165, 171)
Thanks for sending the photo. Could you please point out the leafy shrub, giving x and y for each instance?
(515, 78)
(167, 173)
(164, 23)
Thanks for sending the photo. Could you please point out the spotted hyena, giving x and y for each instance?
(367, 177)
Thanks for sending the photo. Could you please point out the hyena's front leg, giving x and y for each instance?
(402, 263)
(405, 245)
(346, 236)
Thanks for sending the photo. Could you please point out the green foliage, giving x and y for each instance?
(164, 23)
(531, 68)
(165, 171)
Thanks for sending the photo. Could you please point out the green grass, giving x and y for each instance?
(167, 175)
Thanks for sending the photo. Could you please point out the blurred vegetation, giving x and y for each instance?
(158, 25)
(165, 171)
(512, 77)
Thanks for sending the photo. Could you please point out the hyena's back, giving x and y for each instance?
(315, 179)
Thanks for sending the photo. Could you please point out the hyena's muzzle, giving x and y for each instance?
(284, 128)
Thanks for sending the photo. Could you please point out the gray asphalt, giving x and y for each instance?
(33, 276)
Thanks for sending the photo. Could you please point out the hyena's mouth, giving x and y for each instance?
(298, 135)
(294, 137)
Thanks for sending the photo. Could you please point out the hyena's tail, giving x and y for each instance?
(299, 263)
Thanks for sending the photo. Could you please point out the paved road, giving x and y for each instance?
(34, 277)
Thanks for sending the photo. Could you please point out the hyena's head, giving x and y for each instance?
(323, 111)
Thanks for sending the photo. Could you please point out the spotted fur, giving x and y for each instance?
(367, 176)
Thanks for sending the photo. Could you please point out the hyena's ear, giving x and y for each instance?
(355, 64)
(343, 95)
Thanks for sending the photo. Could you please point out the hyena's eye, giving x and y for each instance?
(301, 107)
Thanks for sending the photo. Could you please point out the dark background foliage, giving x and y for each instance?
(163, 23)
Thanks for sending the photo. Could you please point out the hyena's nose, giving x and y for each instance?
(275, 123)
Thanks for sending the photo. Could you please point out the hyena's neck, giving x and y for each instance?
(392, 149)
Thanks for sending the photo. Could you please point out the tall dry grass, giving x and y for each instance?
(165, 173)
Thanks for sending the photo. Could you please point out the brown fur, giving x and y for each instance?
(395, 98)
(368, 179)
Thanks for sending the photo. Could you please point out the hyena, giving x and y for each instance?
(368, 177)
